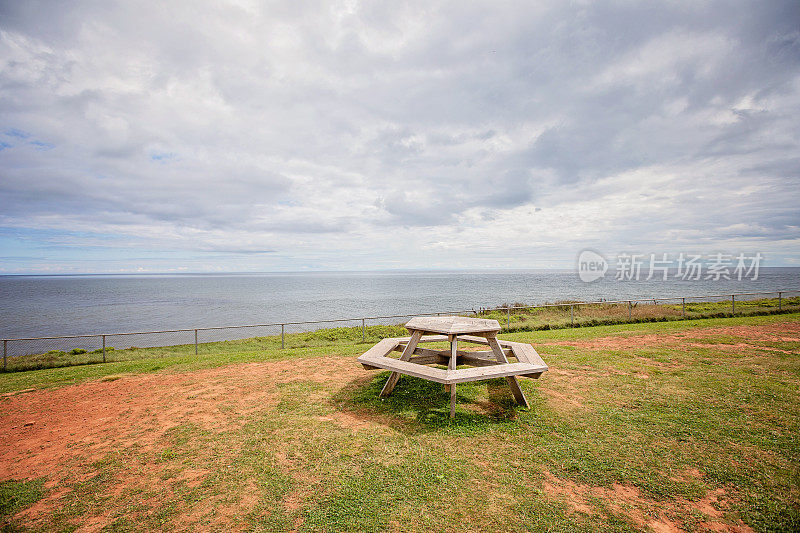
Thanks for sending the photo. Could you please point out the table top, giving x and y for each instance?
(453, 325)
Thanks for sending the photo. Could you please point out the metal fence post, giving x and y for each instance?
(733, 304)
(571, 315)
(779, 301)
(683, 306)
(282, 344)
(104, 348)
(195, 342)
(508, 317)
(630, 307)
(5, 353)
(363, 330)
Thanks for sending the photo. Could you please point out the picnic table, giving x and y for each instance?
(487, 364)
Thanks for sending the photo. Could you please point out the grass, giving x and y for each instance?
(523, 319)
(16, 496)
(563, 315)
(632, 433)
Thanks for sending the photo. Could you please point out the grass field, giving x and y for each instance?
(691, 425)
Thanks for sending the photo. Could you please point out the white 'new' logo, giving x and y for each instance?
(591, 266)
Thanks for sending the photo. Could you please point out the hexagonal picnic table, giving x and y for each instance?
(488, 364)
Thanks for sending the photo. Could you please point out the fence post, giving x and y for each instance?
(195, 342)
(630, 306)
(733, 304)
(5, 353)
(571, 315)
(104, 348)
(779, 301)
(683, 306)
(508, 319)
(282, 345)
(363, 330)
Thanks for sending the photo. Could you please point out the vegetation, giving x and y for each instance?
(696, 423)
(563, 314)
(17, 495)
(520, 319)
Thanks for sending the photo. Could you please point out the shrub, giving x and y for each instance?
(100, 350)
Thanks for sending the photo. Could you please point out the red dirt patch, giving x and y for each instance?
(628, 501)
(41, 430)
(776, 332)
(58, 433)
(738, 347)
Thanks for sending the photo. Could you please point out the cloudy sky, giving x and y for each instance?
(264, 136)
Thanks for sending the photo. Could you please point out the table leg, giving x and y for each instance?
(406, 355)
(513, 384)
(452, 366)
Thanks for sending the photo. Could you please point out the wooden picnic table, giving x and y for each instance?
(488, 364)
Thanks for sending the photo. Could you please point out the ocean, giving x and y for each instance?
(32, 306)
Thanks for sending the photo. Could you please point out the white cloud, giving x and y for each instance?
(354, 135)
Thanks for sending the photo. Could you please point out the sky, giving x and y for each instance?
(288, 136)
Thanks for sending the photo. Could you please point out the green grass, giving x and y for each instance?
(564, 315)
(16, 496)
(525, 319)
(669, 422)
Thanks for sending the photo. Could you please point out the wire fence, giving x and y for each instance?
(62, 350)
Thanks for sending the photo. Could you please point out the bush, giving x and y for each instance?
(100, 350)
(77, 351)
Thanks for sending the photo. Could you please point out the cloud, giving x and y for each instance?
(358, 135)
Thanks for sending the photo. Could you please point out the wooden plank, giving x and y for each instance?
(425, 351)
(483, 340)
(513, 384)
(474, 339)
(425, 338)
(474, 360)
(454, 376)
(525, 353)
(463, 375)
(445, 354)
(534, 375)
(381, 349)
(452, 325)
(497, 350)
(427, 359)
(486, 353)
(412, 369)
(452, 366)
(409, 350)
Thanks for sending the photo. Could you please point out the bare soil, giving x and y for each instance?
(42, 430)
